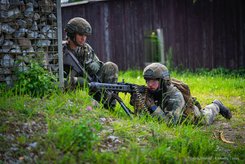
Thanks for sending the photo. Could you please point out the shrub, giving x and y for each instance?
(35, 81)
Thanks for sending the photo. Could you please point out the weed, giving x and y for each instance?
(36, 81)
(75, 136)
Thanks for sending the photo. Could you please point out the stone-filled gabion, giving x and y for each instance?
(28, 30)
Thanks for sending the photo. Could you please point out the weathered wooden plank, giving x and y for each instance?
(207, 34)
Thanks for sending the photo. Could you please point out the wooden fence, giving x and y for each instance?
(204, 34)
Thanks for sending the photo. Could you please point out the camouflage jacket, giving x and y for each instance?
(171, 105)
(87, 58)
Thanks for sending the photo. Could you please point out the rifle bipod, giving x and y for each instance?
(125, 108)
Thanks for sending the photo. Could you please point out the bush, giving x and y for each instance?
(36, 81)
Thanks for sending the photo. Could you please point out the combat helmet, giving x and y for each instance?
(156, 71)
(78, 25)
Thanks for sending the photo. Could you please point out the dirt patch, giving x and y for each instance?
(20, 137)
(231, 130)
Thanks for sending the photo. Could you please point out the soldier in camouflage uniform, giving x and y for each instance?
(77, 30)
(166, 102)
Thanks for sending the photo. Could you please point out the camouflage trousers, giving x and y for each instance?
(207, 115)
(108, 73)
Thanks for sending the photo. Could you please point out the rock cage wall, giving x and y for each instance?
(28, 31)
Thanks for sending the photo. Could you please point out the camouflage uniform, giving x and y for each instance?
(168, 102)
(171, 107)
(105, 72)
(99, 71)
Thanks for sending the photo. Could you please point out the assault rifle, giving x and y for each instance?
(70, 60)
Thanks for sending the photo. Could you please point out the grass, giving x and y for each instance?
(70, 128)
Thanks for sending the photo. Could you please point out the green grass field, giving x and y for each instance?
(71, 128)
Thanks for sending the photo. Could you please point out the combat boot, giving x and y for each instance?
(224, 111)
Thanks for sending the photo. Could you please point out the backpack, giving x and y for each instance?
(185, 90)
